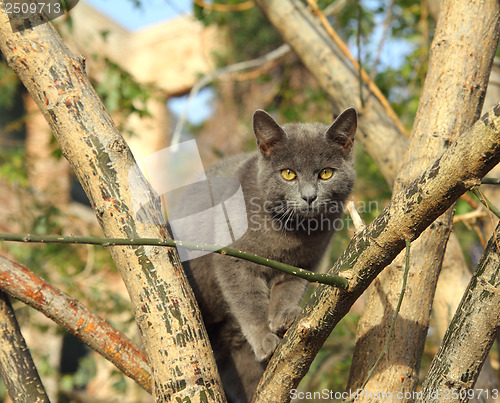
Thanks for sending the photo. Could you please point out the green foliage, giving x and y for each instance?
(346, 22)
(11, 110)
(8, 86)
(12, 166)
(410, 31)
(85, 373)
(121, 93)
(251, 35)
(467, 233)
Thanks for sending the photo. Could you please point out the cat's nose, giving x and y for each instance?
(309, 198)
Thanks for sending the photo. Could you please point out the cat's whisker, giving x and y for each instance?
(281, 213)
(290, 215)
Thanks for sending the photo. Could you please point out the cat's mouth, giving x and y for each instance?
(310, 211)
(309, 217)
(302, 210)
(305, 210)
(291, 210)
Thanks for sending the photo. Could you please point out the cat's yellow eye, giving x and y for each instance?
(288, 174)
(326, 173)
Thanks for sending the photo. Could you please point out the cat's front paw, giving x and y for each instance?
(283, 319)
(267, 346)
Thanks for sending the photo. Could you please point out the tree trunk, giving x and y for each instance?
(456, 366)
(176, 343)
(449, 104)
(405, 218)
(16, 365)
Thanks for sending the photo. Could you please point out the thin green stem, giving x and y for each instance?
(482, 198)
(490, 181)
(335, 281)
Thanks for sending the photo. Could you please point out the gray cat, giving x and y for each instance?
(294, 187)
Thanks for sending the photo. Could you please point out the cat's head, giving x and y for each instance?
(305, 168)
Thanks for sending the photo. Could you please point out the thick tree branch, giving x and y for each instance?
(408, 214)
(465, 31)
(465, 346)
(20, 283)
(17, 368)
(176, 343)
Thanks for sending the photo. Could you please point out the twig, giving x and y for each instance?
(358, 40)
(335, 7)
(490, 181)
(482, 198)
(470, 200)
(472, 215)
(225, 8)
(394, 317)
(258, 72)
(335, 281)
(356, 218)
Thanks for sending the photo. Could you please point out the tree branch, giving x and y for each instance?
(484, 201)
(491, 181)
(74, 317)
(394, 317)
(310, 276)
(446, 108)
(165, 308)
(276, 54)
(16, 365)
(408, 214)
(465, 346)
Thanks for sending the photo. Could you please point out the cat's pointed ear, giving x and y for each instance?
(342, 130)
(267, 132)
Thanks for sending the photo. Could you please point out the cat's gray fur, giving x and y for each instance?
(247, 307)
